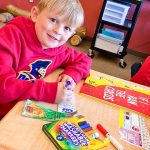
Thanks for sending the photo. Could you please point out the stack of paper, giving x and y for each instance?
(110, 40)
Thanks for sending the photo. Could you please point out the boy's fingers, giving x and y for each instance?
(59, 78)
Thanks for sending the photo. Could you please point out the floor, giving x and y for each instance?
(109, 64)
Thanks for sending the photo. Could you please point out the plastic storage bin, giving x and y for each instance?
(115, 12)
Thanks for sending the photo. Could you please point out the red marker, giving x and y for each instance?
(111, 138)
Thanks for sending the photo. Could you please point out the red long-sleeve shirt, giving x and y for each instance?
(143, 74)
(23, 64)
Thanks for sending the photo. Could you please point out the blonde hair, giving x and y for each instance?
(71, 10)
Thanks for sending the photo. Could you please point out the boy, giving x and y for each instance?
(32, 48)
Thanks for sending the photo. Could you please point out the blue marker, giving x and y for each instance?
(84, 126)
(68, 106)
(68, 85)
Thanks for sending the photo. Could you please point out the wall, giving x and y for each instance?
(24, 4)
(140, 40)
(92, 10)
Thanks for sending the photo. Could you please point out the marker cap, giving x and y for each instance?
(101, 129)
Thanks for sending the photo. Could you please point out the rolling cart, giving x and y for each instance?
(114, 28)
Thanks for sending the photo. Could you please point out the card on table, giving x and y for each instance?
(38, 111)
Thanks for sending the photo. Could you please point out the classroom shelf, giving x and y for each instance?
(114, 17)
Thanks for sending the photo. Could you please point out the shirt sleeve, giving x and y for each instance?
(77, 64)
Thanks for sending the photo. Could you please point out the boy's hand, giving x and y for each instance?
(62, 94)
(2, 19)
(64, 78)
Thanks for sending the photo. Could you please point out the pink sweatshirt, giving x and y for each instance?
(23, 64)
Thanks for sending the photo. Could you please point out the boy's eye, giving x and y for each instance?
(52, 20)
(67, 29)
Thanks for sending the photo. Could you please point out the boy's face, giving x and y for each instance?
(51, 29)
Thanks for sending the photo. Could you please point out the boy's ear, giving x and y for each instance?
(34, 13)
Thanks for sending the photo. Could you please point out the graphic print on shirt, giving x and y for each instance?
(37, 70)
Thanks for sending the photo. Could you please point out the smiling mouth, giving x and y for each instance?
(52, 37)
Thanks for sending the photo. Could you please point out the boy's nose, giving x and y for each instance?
(59, 29)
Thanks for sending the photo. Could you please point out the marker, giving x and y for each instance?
(84, 126)
(90, 132)
(111, 138)
(68, 85)
(81, 123)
